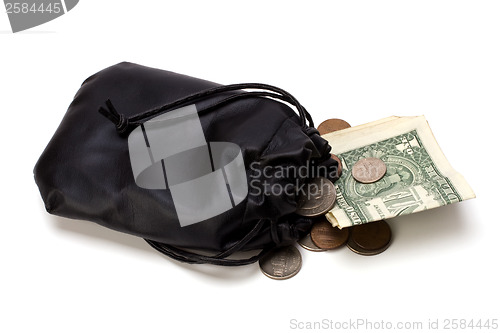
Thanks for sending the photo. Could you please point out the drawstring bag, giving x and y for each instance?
(184, 163)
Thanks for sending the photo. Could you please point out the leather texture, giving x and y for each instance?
(85, 172)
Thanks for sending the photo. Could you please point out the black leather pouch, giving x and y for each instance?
(184, 163)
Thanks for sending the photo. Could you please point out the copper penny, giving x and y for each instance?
(339, 168)
(327, 237)
(371, 236)
(369, 170)
(332, 125)
(359, 250)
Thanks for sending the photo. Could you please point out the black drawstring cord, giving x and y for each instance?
(274, 232)
(194, 258)
(238, 245)
(219, 259)
(217, 90)
(124, 123)
(250, 95)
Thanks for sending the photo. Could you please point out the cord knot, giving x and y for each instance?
(121, 122)
(122, 125)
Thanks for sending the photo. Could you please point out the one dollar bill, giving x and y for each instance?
(418, 175)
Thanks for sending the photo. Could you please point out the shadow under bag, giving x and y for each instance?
(184, 163)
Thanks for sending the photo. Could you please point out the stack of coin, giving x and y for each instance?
(364, 239)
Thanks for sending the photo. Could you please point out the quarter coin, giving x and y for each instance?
(332, 125)
(369, 170)
(281, 263)
(327, 237)
(316, 198)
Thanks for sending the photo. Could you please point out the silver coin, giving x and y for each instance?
(281, 263)
(316, 198)
(369, 170)
(307, 243)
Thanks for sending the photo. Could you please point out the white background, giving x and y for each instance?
(357, 60)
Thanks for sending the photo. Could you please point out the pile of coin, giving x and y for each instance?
(364, 239)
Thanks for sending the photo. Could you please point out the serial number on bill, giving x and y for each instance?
(26, 8)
